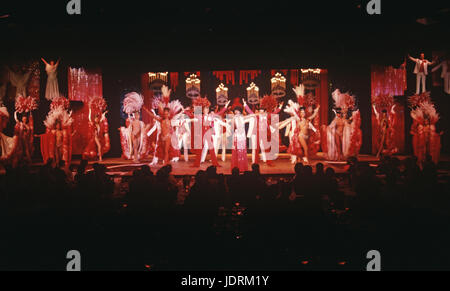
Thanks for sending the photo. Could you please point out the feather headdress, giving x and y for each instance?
(292, 107)
(300, 93)
(27, 104)
(98, 105)
(166, 93)
(269, 103)
(59, 102)
(343, 100)
(384, 101)
(429, 110)
(58, 114)
(417, 114)
(416, 100)
(133, 102)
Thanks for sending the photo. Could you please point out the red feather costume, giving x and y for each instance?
(425, 139)
(98, 127)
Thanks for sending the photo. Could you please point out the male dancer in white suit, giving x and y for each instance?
(421, 71)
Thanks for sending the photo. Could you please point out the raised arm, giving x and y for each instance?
(278, 109)
(285, 123)
(412, 59)
(375, 111)
(392, 109)
(437, 67)
(222, 111)
(57, 62)
(249, 111)
(89, 116)
(45, 62)
(103, 116)
(316, 111)
(152, 114)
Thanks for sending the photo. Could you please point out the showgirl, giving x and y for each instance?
(426, 141)
(56, 143)
(344, 137)
(24, 129)
(133, 137)
(98, 137)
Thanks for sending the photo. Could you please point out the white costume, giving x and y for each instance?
(51, 90)
(19, 81)
(420, 74)
(220, 138)
(445, 74)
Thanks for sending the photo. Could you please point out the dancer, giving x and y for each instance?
(99, 142)
(183, 132)
(206, 121)
(221, 134)
(344, 136)
(239, 150)
(51, 90)
(133, 137)
(299, 146)
(445, 74)
(426, 141)
(304, 138)
(386, 121)
(259, 129)
(168, 118)
(25, 127)
(421, 71)
(290, 124)
(8, 145)
(19, 80)
(56, 143)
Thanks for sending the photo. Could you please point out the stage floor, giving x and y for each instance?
(281, 166)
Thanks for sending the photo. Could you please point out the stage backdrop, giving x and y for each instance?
(82, 86)
(389, 81)
(277, 81)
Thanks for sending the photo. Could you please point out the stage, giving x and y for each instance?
(280, 166)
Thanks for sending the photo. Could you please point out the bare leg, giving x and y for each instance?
(254, 147)
(99, 148)
(136, 149)
(263, 151)
(338, 141)
(224, 147)
(304, 146)
(166, 151)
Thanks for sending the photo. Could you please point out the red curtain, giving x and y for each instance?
(389, 81)
(225, 76)
(246, 74)
(323, 95)
(148, 97)
(273, 72)
(174, 81)
(294, 77)
(187, 74)
(82, 85)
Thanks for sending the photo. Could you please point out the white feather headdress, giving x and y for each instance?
(58, 114)
(292, 107)
(428, 109)
(133, 102)
(299, 90)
